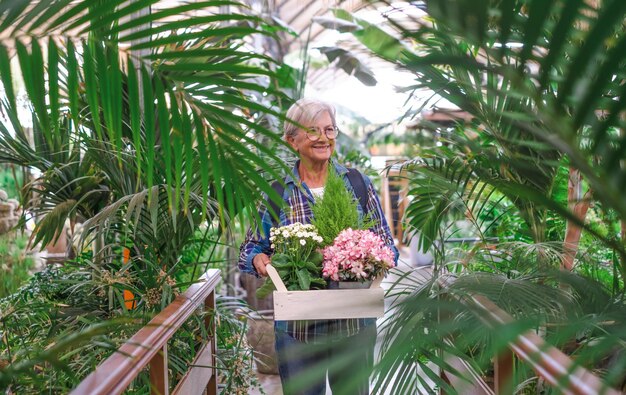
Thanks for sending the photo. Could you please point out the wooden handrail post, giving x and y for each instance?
(547, 361)
(503, 372)
(209, 320)
(444, 376)
(159, 382)
(148, 347)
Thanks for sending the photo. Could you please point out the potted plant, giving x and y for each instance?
(296, 258)
(355, 258)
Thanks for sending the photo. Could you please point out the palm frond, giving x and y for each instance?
(198, 70)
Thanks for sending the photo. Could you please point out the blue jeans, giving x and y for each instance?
(348, 361)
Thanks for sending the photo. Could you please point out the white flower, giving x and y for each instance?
(273, 246)
(303, 242)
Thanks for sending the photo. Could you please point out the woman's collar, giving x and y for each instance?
(339, 168)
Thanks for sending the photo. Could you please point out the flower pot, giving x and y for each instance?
(349, 284)
(261, 338)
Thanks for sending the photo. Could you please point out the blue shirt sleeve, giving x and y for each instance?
(256, 242)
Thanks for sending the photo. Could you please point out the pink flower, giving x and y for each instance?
(356, 255)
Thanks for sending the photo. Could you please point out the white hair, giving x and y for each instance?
(304, 112)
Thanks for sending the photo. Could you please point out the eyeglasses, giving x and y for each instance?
(314, 133)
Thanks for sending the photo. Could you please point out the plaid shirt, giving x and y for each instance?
(299, 198)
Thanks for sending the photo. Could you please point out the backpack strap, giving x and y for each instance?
(360, 189)
(280, 190)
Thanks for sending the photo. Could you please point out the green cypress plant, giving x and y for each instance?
(337, 209)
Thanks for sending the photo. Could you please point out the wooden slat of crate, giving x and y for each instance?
(329, 304)
(326, 304)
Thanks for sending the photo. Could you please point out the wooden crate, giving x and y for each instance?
(326, 304)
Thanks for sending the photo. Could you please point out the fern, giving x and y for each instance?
(336, 210)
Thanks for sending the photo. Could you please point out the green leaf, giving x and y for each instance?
(188, 134)
(91, 86)
(374, 38)
(538, 13)
(52, 8)
(203, 34)
(466, 17)
(175, 140)
(53, 89)
(72, 81)
(15, 9)
(600, 84)
(586, 57)
(32, 65)
(135, 114)
(6, 75)
(350, 64)
(304, 279)
(49, 229)
(216, 173)
(560, 36)
(189, 23)
(312, 267)
(170, 11)
(318, 281)
(94, 12)
(266, 289)
(149, 123)
(224, 67)
(508, 12)
(316, 258)
(109, 18)
(281, 261)
(153, 207)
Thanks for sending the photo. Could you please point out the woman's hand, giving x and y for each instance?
(260, 261)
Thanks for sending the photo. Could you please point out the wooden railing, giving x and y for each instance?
(548, 362)
(148, 347)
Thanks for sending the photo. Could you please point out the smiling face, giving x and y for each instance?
(314, 152)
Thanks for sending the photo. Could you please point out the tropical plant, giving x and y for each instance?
(521, 128)
(147, 92)
(60, 326)
(143, 128)
(544, 84)
(235, 356)
(296, 258)
(336, 210)
(57, 323)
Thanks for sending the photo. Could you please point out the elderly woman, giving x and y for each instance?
(297, 341)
